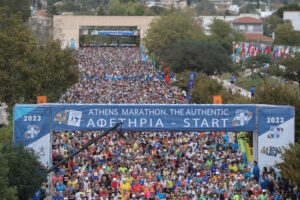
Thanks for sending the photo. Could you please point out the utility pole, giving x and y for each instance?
(89, 143)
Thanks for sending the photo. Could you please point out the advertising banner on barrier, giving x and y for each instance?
(154, 117)
(275, 130)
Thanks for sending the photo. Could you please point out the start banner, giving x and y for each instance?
(33, 123)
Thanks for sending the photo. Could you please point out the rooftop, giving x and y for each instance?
(247, 20)
(256, 37)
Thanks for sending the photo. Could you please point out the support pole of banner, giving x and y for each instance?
(88, 144)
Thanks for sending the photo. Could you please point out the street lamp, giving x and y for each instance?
(233, 43)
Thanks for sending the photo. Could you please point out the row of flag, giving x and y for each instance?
(245, 50)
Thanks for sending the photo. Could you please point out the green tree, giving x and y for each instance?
(205, 88)
(290, 165)
(280, 95)
(286, 35)
(248, 8)
(15, 6)
(170, 29)
(291, 71)
(68, 6)
(6, 191)
(205, 7)
(26, 177)
(199, 56)
(271, 23)
(290, 7)
(256, 64)
(100, 10)
(135, 9)
(224, 34)
(117, 8)
(28, 70)
(220, 29)
(157, 11)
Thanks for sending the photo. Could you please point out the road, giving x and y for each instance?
(234, 88)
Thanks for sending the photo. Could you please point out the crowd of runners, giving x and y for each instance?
(149, 165)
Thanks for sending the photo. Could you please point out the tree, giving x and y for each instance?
(271, 23)
(248, 8)
(135, 9)
(100, 10)
(6, 191)
(290, 7)
(28, 70)
(68, 6)
(286, 35)
(290, 165)
(157, 11)
(291, 71)
(117, 8)
(257, 63)
(169, 29)
(224, 34)
(205, 88)
(205, 7)
(280, 95)
(220, 29)
(25, 178)
(15, 6)
(199, 56)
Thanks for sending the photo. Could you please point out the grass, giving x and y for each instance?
(227, 76)
(247, 82)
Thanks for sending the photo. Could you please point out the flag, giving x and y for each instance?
(278, 53)
(293, 52)
(253, 52)
(258, 49)
(248, 51)
(287, 51)
(268, 49)
(243, 50)
(191, 84)
(282, 52)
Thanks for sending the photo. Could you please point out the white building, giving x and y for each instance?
(294, 17)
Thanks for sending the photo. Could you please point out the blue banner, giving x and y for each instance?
(276, 129)
(31, 123)
(274, 124)
(191, 84)
(153, 117)
(128, 33)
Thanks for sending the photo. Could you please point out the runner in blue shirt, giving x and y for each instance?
(232, 79)
(57, 196)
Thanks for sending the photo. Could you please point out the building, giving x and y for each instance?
(205, 21)
(253, 28)
(294, 17)
(248, 25)
(66, 28)
(222, 4)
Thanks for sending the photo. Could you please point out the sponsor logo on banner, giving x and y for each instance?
(32, 131)
(275, 132)
(74, 118)
(270, 151)
(42, 151)
(242, 118)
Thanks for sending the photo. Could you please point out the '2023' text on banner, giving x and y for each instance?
(275, 130)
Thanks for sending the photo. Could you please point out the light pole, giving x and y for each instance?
(233, 43)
